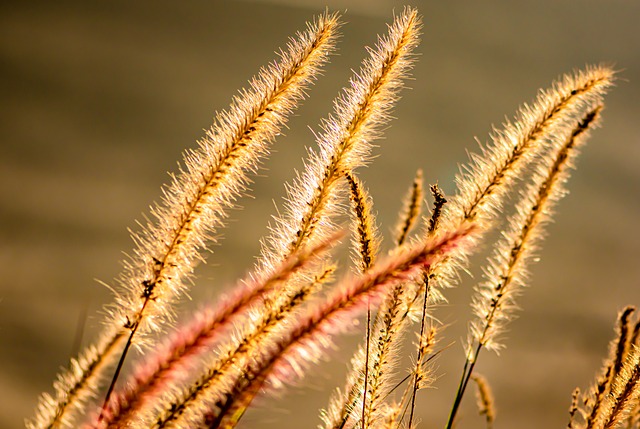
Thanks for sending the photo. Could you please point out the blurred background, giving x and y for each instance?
(99, 99)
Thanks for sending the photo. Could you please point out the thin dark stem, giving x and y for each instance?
(408, 376)
(224, 408)
(116, 374)
(439, 202)
(469, 364)
(123, 356)
(366, 366)
(416, 378)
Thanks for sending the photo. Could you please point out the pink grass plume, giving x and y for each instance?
(304, 339)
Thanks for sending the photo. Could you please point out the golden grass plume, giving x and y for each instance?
(281, 318)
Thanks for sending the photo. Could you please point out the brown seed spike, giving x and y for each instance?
(439, 202)
(411, 211)
(366, 242)
(623, 346)
(573, 409)
(486, 406)
(625, 391)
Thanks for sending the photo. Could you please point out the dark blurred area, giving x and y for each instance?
(99, 99)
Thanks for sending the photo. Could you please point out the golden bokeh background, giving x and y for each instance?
(99, 99)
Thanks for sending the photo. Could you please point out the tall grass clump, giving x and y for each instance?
(280, 319)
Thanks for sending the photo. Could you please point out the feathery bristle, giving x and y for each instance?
(625, 391)
(429, 293)
(215, 175)
(374, 90)
(507, 271)
(388, 333)
(373, 375)
(545, 124)
(345, 404)
(538, 129)
(275, 324)
(194, 205)
(205, 329)
(599, 402)
(302, 341)
(393, 413)
(227, 366)
(76, 386)
(312, 334)
(345, 142)
(597, 395)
